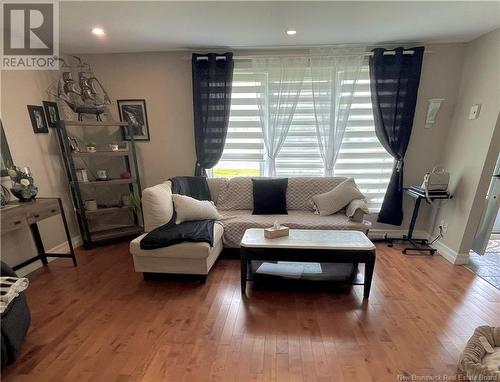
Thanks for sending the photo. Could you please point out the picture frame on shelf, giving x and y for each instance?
(134, 111)
(37, 117)
(52, 113)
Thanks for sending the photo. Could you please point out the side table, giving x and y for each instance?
(19, 215)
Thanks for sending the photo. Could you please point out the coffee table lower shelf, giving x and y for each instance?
(335, 256)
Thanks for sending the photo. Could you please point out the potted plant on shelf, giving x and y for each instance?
(91, 147)
(131, 200)
(23, 187)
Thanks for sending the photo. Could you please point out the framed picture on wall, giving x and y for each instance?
(51, 112)
(6, 157)
(134, 112)
(37, 117)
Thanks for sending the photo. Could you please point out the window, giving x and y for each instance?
(244, 150)
(361, 155)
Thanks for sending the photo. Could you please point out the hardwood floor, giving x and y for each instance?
(102, 322)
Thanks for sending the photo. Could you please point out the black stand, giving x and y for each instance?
(418, 245)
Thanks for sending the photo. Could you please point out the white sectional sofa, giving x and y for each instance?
(234, 200)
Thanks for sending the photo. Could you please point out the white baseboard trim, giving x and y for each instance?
(395, 233)
(61, 248)
(443, 250)
(64, 247)
(451, 255)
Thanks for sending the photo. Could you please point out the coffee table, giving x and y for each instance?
(322, 246)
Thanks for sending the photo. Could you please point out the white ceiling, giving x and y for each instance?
(140, 26)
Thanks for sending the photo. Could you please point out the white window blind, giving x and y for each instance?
(361, 155)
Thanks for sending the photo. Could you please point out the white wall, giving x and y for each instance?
(164, 80)
(40, 152)
(471, 146)
(440, 76)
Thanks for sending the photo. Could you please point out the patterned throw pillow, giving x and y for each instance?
(333, 201)
(302, 189)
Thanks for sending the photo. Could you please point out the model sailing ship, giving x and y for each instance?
(85, 95)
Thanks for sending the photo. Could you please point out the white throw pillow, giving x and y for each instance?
(336, 199)
(189, 209)
(157, 206)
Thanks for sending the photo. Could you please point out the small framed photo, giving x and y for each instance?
(37, 117)
(134, 112)
(51, 112)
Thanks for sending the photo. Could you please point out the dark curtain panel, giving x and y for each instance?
(394, 80)
(212, 81)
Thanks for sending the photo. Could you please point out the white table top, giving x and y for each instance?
(309, 239)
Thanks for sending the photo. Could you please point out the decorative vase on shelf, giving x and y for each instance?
(91, 147)
(23, 186)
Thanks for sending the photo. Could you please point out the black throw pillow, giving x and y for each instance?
(269, 196)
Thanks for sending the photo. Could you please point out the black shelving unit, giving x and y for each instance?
(125, 159)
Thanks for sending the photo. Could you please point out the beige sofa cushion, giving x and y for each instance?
(238, 192)
(178, 265)
(236, 222)
(187, 250)
(216, 186)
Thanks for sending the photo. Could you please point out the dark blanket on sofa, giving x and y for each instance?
(166, 235)
(194, 231)
(192, 186)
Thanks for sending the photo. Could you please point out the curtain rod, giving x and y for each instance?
(249, 57)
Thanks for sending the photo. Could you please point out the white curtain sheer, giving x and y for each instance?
(334, 75)
(278, 85)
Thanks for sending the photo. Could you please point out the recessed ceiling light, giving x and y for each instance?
(98, 31)
(291, 32)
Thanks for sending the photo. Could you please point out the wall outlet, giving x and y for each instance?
(474, 111)
(445, 228)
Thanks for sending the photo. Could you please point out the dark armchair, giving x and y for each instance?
(15, 323)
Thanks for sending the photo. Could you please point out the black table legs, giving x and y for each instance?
(419, 245)
(369, 267)
(35, 232)
(244, 270)
(66, 230)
